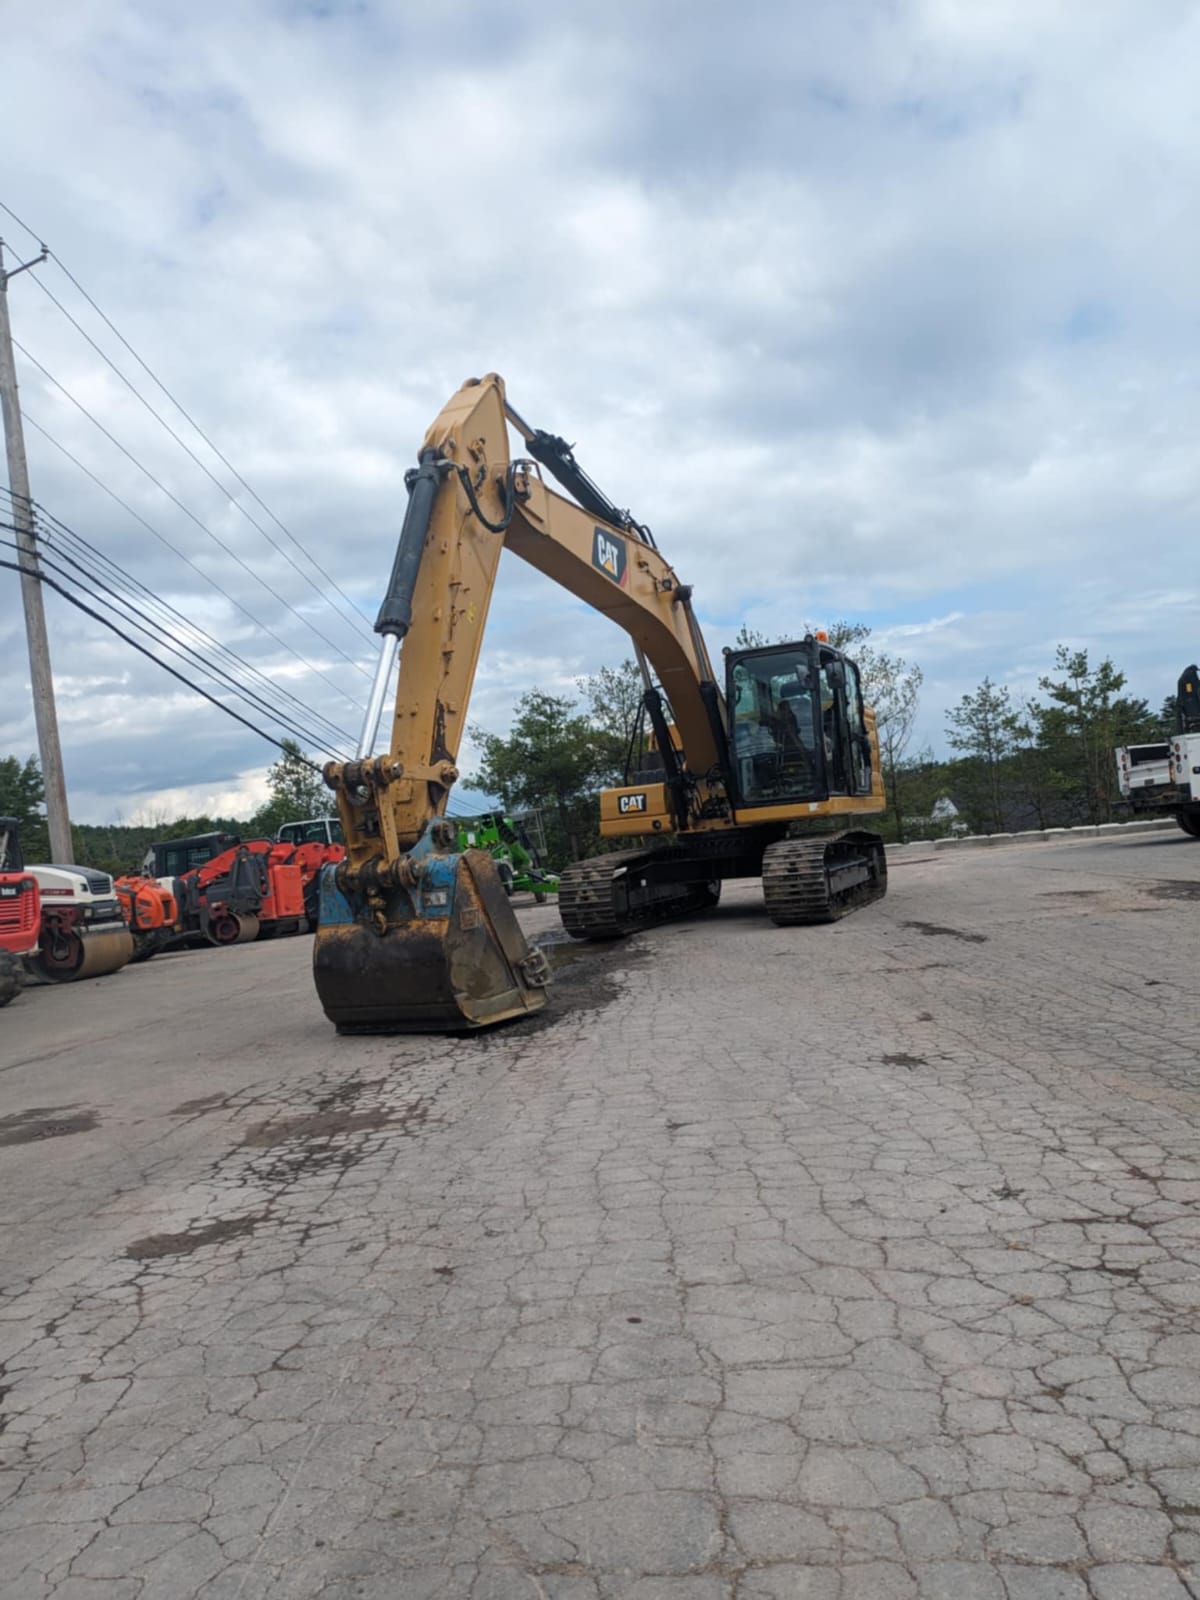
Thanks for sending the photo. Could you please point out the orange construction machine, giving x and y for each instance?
(310, 857)
(230, 891)
(150, 913)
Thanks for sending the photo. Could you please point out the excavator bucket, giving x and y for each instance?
(443, 956)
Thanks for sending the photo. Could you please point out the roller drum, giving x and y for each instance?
(106, 952)
(67, 955)
(228, 927)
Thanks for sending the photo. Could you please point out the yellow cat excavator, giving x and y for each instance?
(416, 935)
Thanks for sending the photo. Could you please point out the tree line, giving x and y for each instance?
(1038, 762)
(1017, 762)
(1032, 761)
(295, 792)
(562, 749)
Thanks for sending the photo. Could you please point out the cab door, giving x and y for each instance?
(844, 728)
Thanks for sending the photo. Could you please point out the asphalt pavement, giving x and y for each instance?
(855, 1263)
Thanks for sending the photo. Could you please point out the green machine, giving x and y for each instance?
(512, 850)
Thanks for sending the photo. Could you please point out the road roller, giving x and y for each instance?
(81, 931)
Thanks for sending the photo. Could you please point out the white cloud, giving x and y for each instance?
(872, 310)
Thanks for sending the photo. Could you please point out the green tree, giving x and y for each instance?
(843, 635)
(1086, 719)
(552, 759)
(895, 698)
(891, 686)
(23, 796)
(983, 727)
(1038, 782)
(185, 827)
(923, 780)
(613, 697)
(297, 793)
(749, 638)
(1166, 723)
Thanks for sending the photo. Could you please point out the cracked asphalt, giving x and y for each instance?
(857, 1263)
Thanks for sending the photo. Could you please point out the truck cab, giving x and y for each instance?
(316, 830)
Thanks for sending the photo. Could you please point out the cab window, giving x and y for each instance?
(772, 705)
(860, 765)
(843, 728)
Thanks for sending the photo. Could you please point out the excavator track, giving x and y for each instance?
(601, 897)
(823, 878)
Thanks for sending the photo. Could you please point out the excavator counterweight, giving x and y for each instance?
(416, 935)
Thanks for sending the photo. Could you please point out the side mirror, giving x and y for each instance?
(835, 671)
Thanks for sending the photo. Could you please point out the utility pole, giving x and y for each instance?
(40, 675)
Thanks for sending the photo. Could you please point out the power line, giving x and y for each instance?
(175, 550)
(179, 406)
(356, 620)
(161, 635)
(15, 566)
(163, 540)
(316, 729)
(21, 221)
(55, 529)
(204, 528)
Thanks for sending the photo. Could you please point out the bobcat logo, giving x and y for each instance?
(631, 802)
(608, 553)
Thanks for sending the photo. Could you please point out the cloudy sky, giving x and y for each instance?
(881, 310)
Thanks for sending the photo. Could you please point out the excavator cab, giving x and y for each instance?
(798, 732)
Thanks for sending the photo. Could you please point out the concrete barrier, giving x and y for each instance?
(1087, 830)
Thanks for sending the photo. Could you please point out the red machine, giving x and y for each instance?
(282, 910)
(20, 914)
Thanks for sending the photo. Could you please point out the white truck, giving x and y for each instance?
(1144, 774)
(1164, 779)
(1185, 771)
